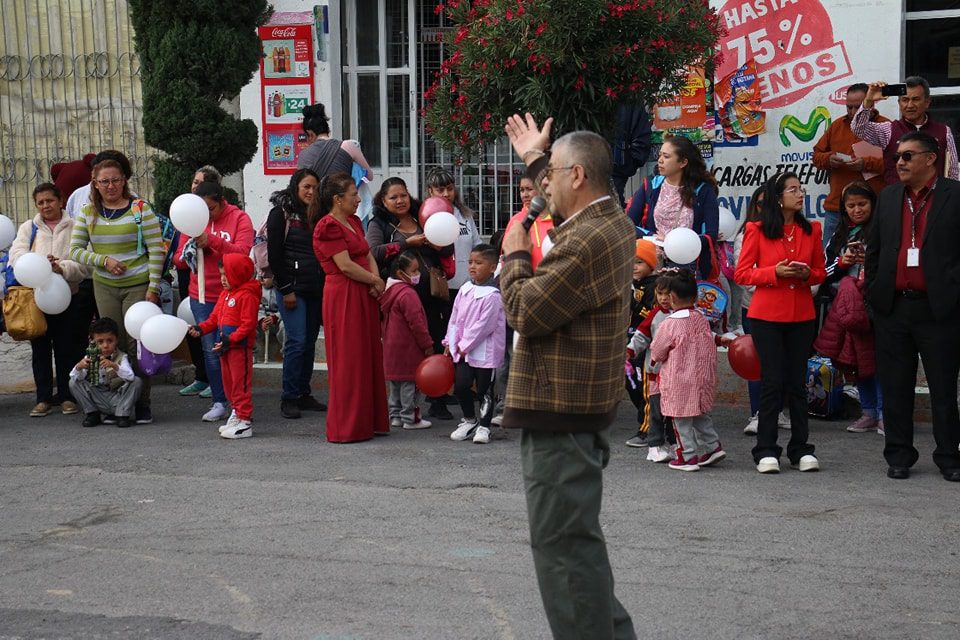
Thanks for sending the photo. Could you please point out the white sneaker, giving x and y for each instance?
(482, 436)
(768, 465)
(396, 422)
(497, 420)
(232, 420)
(808, 463)
(783, 421)
(423, 424)
(751, 428)
(463, 431)
(240, 429)
(659, 454)
(217, 412)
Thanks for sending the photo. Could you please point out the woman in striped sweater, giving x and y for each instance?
(120, 237)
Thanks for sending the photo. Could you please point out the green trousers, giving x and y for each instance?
(113, 302)
(563, 477)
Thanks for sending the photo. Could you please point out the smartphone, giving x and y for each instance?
(893, 90)
(797, 265)
(857, 247)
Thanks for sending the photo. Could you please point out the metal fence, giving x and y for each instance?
(69, 85)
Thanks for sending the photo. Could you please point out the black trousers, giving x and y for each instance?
(784, 348)
(466, 377)
(193, 344)
(908, 331)
(61, 344)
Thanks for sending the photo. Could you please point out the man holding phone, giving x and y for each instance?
(914, 100)
(834, 152)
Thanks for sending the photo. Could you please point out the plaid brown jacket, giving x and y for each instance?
(566, 374)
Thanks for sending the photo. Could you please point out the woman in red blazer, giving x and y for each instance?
(782, 256)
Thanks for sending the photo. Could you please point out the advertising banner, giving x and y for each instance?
(286, 87)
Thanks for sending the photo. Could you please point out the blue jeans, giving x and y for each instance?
(753, 386)
(830, 221)
(871, 398)
(301, 326)
(212, 361)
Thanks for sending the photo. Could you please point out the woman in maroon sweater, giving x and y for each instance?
(782, 256)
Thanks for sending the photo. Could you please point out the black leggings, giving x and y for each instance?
(466, 376)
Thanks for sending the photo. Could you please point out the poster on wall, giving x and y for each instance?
(286, 87)
(803, 55)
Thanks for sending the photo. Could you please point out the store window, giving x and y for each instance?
(932, 50)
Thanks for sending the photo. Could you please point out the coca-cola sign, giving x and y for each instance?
(289, 32)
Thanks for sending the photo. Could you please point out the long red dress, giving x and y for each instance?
(351, 328)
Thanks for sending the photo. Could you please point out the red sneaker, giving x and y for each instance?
(714, 457)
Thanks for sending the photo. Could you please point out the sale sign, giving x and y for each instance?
(286, 87)
(792, 43)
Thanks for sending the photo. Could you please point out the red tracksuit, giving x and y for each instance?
(235, 317)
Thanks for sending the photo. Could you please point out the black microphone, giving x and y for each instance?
(537, 205)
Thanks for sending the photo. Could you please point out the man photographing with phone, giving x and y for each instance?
(566, 375)
(914, 104)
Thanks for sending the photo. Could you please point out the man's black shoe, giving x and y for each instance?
(951, 475)
(289, 409)
(91, 419)
(309, 403)
(439, 410)
(898, 473)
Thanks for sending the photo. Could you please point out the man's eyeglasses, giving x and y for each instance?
(907, 155)
(106, 183)
(550, 170)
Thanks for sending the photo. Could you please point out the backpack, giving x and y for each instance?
(261, 264)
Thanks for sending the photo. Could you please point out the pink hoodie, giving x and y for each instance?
(231, 232)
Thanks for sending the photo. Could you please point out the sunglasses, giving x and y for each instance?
(908, 155)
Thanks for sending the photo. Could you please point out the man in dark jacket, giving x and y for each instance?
(566, 375)
(912, 271)
(631, 147)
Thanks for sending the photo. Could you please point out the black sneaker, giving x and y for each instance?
(290, 409)
(439, 410)
(309, 403)
(638, 441)
(143, 414)
(91, 419)
(123, 421)
(111, 419)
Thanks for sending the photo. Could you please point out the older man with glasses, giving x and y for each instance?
(912, 271)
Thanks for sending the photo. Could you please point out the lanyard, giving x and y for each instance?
(913, 214)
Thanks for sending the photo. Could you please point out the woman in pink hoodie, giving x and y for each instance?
(229, 231)
(406, 340)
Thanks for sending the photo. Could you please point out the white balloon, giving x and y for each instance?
(442, 229)
(32, 270)
(728, 225)
(162, 334)
(53, 297)
(185, 313)
(137, 315)
(189, 214)
(8, 231)
(682, 245)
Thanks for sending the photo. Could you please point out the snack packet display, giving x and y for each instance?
(737, 98)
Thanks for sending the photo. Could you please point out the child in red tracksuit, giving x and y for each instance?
(235, 319)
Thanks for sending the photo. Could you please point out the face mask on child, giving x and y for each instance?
(414, 280)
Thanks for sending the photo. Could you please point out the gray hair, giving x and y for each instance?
(592, 152)
(919, 81)
(210, 174)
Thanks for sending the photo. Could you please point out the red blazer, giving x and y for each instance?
(779, 299)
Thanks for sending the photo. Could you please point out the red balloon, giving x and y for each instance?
(743, 357)
(435, 375)
(433, 205)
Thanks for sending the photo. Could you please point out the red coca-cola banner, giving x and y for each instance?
(286, 87)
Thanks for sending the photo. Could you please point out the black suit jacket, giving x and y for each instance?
(939, 250)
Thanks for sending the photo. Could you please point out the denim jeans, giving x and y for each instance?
(212, 361)
(753, 386)
(831, 219)
(871, 398)
(301, 326)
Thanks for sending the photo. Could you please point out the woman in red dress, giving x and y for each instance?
(351, 318)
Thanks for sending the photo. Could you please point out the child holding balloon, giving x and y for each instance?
(406, 340)
(234, 318)
(476, 338)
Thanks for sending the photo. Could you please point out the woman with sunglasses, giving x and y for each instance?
(782, 256)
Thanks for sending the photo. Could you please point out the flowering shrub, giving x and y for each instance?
(575, 60)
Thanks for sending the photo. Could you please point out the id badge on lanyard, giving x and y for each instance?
(913, 251)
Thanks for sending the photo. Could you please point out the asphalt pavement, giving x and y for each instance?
(167, 531)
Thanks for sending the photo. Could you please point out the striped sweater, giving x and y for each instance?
(118, 239)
